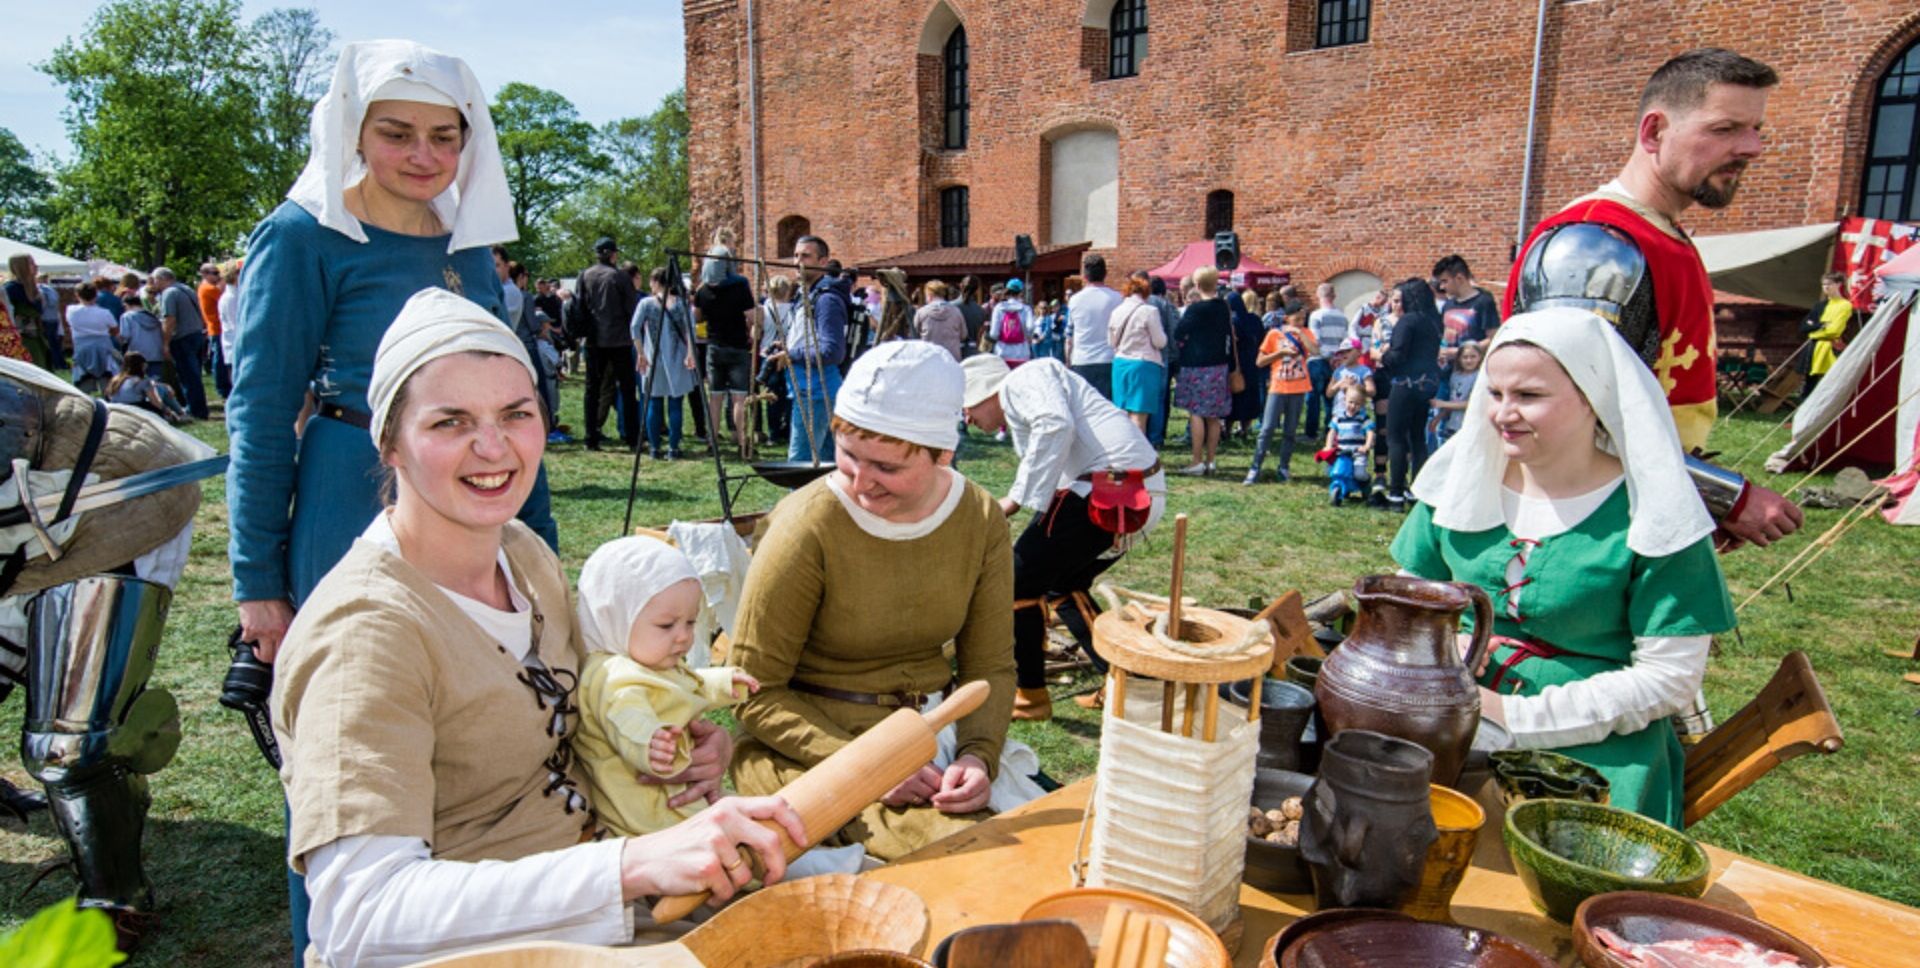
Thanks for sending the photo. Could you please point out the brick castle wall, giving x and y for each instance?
(1380, 156)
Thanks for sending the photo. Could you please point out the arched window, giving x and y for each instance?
(1219, 212)
(1891, 189)
(789, 232)
(1127, 38)
(954, 69)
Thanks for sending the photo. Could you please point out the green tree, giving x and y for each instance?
(23, 191)
(293, 53)
(641, 199)
(549, 152)
(161, 113)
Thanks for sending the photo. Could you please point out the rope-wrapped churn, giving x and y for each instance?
(1168, 811)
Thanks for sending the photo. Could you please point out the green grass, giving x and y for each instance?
(214, 843)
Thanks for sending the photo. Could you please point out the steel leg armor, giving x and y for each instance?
(94, 729)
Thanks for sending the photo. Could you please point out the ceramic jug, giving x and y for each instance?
(1399, 671)
(1367, 821)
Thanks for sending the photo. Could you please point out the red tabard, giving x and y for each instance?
(1683, 300)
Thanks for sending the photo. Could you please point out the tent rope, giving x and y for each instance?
(1789, 420)
(1821, 545)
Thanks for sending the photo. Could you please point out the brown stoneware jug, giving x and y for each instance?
(1399, 671)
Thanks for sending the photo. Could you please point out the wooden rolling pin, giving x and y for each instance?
(835, 791)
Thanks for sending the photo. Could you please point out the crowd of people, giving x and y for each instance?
(390, 383)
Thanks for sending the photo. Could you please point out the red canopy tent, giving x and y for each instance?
(1249, 273)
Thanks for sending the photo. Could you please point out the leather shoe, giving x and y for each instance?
(1096, 699)
(20, 802)
(1032, 705)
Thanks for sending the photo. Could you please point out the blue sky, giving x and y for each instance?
(612, 58)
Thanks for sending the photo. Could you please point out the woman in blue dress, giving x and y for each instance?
(403, 190)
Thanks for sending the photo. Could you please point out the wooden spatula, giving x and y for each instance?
(1132, 939)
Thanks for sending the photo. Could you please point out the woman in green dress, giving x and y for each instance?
(1564, 496)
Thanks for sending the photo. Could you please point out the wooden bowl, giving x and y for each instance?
(1566, 851)
(1409, 944)
(559, 954)
(1191, 944)
(799, 922)
(1272, 867)
(1646, 918)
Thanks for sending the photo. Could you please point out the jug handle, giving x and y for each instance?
(1482, 627)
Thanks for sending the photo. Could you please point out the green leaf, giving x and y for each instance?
(62, 936)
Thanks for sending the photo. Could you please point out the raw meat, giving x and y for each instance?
(1712, 951)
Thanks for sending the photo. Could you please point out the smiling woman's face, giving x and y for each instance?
(887, 478)
(412, 149)
(466, 445)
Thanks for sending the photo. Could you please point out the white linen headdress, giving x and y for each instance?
(1462, 481)
(477, 208)
(907, 389)
(434, 323)
(618, 580)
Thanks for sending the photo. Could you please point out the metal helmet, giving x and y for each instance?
(1595, 267)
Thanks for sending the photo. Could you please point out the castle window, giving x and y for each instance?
(1127, 38)
(1342, 22)
(953, 217)
(1891, 189)
(954, 68)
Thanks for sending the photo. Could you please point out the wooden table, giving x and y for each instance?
(992, 872)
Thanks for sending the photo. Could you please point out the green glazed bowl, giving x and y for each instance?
(1568, 850)
(1545, 775)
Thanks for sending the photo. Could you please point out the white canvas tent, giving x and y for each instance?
(50, 263)
(1846, 416)
(1776, 265)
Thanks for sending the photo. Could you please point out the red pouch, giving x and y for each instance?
(1120, 502)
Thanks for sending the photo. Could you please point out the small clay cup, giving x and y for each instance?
(1303, 669)
(1285, 708)
(1459, 819)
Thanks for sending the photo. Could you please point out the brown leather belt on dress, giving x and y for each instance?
(333, 411)
(901, 700)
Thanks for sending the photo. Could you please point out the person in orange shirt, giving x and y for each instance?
(1288, 350)
(211, 286)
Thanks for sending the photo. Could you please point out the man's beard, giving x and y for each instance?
(1707, 196)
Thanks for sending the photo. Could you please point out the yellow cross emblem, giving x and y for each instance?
(1670, 360)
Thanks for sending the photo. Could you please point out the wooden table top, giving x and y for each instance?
(991, 873)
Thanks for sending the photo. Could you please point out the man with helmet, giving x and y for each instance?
(1621, 253)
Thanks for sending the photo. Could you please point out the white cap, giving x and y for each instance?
(434, 323)
(985, 372)
(907, 389)
(618, 581)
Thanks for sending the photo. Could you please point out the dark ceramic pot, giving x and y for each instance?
(1400, 673)
(1272, 867)
(1285, 708)
(1328, 639)
(1304, 669)
(1368, 820)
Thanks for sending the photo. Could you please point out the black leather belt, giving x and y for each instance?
(333, 411)
(901, 700)
(1151, 470)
